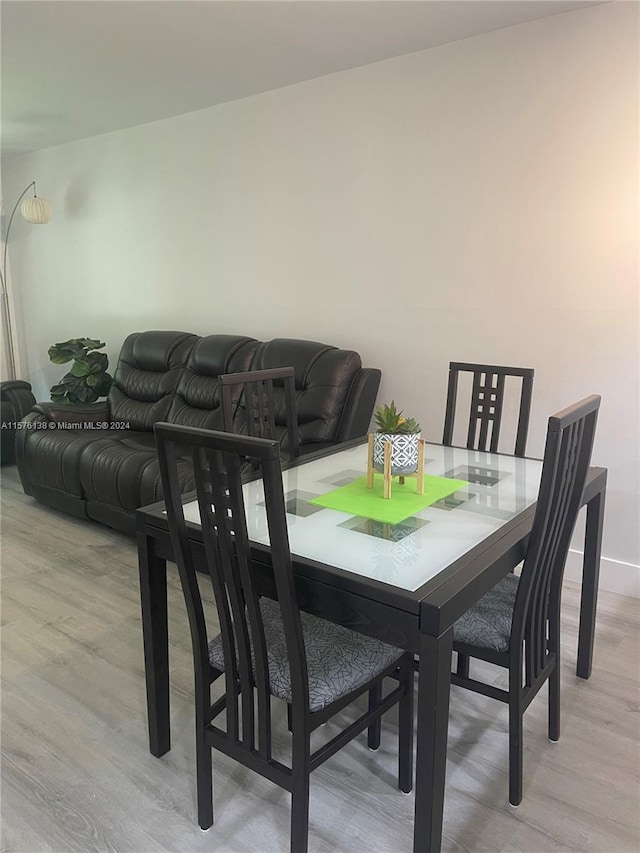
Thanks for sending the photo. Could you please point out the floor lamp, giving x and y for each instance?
(37, 211)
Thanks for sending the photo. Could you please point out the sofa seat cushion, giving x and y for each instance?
(53, 456)
(123, 471)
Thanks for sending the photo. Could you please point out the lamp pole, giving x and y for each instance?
(39, 217)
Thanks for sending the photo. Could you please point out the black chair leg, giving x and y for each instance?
(554, 678)
(516, 752)
(204, 781)
(554, 704)
(405, 730)
(374, 731)
(463, 665)
(300, 815)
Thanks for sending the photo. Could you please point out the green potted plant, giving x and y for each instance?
(88, 378)
(404, 435)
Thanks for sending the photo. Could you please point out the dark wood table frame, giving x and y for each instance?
(420, 621)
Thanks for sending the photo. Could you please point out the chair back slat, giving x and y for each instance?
(555, 525)
(286, 592)
(524, 412)
(185, 561)
(218, 461)
(249, 623)
(450, 409)
(223, 600)
(567, 457)
(486, 411)
(223, 528)
(260, 415)
(253, 392)
(487, 405)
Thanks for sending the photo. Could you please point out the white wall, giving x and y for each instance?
(476, 201)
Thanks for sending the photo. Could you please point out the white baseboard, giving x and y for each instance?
(615, 576)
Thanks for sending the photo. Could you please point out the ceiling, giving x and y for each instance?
(76, 68)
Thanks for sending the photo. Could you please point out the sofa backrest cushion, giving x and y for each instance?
(323, 376)
(197, 399)
(146, 376)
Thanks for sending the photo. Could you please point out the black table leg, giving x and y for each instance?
(153, 599)
(433, 725)
(590, 578)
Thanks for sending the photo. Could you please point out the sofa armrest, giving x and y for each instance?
(31, 421)
(71, 413)
(358, 407)
(51, 416)
(17, 394)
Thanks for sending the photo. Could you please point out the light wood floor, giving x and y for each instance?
(77, 775)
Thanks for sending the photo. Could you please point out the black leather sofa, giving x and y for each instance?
(16, 399)
(99, 461)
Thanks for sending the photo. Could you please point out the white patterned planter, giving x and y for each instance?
(404, 452)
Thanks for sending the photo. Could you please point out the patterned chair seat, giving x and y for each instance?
(338, 660)
(487, 624)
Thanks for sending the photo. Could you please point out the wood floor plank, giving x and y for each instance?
(77, 776)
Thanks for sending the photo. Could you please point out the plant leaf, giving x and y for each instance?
(393, 422)
(98, 361)
(104, 385)
(72, 383)
(85, 394)
(66, 351)
(81, 367)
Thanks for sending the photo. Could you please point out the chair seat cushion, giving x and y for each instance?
(338, 660)
(487, 624)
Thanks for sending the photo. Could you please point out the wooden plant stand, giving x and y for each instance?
(419, 473)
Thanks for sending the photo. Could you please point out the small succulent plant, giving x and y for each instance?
(393, 422)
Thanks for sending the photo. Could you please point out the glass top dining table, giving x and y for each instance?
(404, 582)
(410, 552)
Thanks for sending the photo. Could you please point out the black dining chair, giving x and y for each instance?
(516, 625)
(487, 403)
(266, 647)
(262, 403)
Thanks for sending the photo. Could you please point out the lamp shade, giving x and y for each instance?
(36, 210)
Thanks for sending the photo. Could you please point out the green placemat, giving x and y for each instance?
(357, 499)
